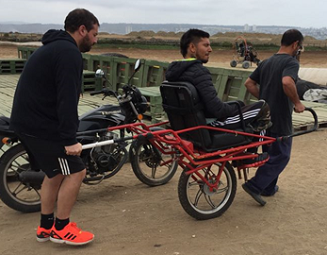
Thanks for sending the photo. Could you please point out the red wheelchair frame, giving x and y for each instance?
(210, 174)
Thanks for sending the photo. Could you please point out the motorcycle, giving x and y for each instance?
(20, 185)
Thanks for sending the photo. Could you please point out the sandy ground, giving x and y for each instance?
(128, 217)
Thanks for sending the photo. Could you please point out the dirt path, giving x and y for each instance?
(130, 218)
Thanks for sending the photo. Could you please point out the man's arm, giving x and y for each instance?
(252, 87)
(290, 91)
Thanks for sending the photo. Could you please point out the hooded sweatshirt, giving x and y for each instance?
(47, 93)
(194, 72)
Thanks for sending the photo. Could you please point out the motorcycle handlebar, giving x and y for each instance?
(95, 93)
(105, 91)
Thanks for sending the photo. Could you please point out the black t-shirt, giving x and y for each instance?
(269, 75)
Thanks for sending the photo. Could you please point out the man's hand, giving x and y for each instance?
(74, 150)
(299, 107)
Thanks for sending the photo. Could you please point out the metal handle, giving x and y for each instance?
(314, 128)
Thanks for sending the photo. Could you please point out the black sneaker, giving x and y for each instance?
(254, 195)
(266, 194)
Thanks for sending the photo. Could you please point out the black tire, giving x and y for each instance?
(113, 54)
(149, 164)
(23, 197)
(246, 64)
(233, 63)
(202, 206)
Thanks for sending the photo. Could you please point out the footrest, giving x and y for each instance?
(255, 164)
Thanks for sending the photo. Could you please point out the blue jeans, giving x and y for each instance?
(266, 177)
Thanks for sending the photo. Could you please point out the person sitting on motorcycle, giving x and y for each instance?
(195, 48)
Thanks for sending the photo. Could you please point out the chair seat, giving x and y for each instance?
(185, 110)
(223, 140)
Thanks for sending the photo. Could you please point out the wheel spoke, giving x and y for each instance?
(222, 190)
(197, 197)
(199, 192)
(153, 172)
(16, 191)
(209, 201)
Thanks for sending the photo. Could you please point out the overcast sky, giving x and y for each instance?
(297, 13)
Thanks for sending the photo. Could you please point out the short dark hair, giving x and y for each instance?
(79, 17)
(193, 35)
(291, 36)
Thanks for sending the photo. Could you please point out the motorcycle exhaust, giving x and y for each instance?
(32, 177)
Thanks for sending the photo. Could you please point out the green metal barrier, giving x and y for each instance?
(122, 70)
(153, 73)
(229, 84)
(11, 66)
(25, 52)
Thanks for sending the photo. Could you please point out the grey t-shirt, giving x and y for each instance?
(269, 75)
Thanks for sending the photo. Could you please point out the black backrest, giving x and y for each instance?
(181, 102)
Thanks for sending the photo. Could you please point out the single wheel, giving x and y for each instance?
(151, 166)
(203, 201)
(233, 63)
(19, 195)
(246, 64)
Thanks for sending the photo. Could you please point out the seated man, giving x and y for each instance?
(195, 48)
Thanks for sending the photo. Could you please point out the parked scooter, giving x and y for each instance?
(20, 185)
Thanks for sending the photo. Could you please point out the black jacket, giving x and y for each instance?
(194, 72)
(48, 91)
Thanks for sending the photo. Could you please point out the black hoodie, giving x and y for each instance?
(47, 93)
(194, 72)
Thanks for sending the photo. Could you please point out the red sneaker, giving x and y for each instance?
(42, 234)
(71, 234)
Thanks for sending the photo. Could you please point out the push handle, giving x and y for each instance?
(314, 128)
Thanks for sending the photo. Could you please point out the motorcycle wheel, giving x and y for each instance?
(199, 200)
(23, 197)
(151, 166)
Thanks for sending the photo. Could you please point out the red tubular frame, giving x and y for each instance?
(188, 156)
(195, 159)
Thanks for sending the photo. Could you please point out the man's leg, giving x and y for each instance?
(267, 175)
(256, 114)
(49, 193)
(65, 231)
(68, 194)
(279, 153)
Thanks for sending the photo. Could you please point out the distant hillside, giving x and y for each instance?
(126, 28)
(161, 37)
(28, 28)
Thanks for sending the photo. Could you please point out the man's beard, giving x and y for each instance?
(85, 45)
